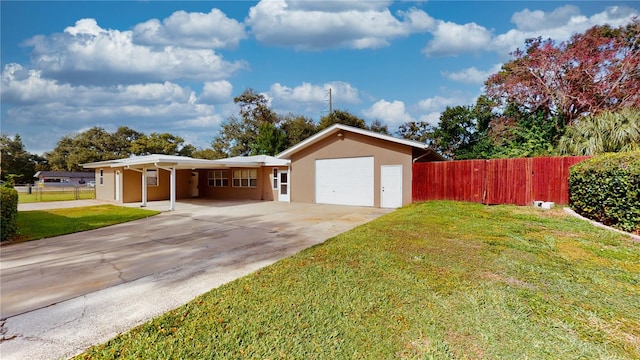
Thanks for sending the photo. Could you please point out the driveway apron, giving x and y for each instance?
(61, 295)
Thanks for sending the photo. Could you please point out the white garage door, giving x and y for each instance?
(347, 181)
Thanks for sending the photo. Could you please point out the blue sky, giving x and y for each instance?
(163, 66)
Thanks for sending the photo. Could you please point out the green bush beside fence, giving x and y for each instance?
(9, 217)
(606, 188)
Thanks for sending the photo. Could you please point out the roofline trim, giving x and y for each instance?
(338, 127)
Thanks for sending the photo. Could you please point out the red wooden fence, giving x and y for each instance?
(497, 181)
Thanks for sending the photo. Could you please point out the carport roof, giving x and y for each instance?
(184, 162)
(255, 160)
(338, 128)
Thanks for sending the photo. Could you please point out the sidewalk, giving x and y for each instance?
(46, 205)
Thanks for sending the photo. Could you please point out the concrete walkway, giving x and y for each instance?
(64, 294)
(45, 205)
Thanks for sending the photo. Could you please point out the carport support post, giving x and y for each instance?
(172, 191)
(144, 187)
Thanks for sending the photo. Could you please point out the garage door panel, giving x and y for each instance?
(347, 181)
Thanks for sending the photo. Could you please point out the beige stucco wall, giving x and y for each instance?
(106, 190)
(347, 146)
(263, 191)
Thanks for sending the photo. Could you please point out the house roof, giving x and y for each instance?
(336, 128)
(255, 160)
(69, 174)
(184, 162)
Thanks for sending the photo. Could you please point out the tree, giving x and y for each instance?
(455, 131)
(270, 140)
(461, 133)
(518, 133)
(94, 144)
(210, 154)
(297, 128)
(417, 131)
(121, 141)
(15, 162)
(605, 132)
(255, 106)
(160, 143)
(59, 157)
(341, 117)
(238, 133)
(592, 72)
(379, 127)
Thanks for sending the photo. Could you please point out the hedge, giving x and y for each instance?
(9, 216)
(606, 189)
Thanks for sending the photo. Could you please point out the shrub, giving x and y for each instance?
(606, 188)
(9, 216)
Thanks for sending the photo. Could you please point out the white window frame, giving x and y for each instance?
(245, 178)
(218, 178)
(274, 179)
(101, 177)
(150, 175)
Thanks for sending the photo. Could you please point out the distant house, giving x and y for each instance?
(61, 178)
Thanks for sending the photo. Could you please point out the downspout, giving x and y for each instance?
(289, 180)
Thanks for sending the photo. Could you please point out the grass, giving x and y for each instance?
(62, 195)
(39, 224)
(437, 280)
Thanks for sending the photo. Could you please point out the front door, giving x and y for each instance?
(194, 184)
(283, 186)
(391, 186)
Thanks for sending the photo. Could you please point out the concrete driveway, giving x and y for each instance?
(64, 294)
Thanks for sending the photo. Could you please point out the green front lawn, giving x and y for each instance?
(39, 224)
(437, 280)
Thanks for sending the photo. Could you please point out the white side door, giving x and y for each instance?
(391, 186)
(283, 186)
(194, 184)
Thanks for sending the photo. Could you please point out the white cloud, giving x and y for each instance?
(321, 25)
(392, 113)
(450, 39)
(453, 39)
(527, 20)
(47, 107)
(216, 92)
(559, 24)
(88, 54)
(306, 93)
(439, 103)
(431, 118)
(337, 5)
(312, 97)
(197, 30)
(471, 75)
(23, 86)
(431, 108)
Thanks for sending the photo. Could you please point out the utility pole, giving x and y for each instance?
(330, 104)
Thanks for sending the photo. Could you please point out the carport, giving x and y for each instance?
(111, 185)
